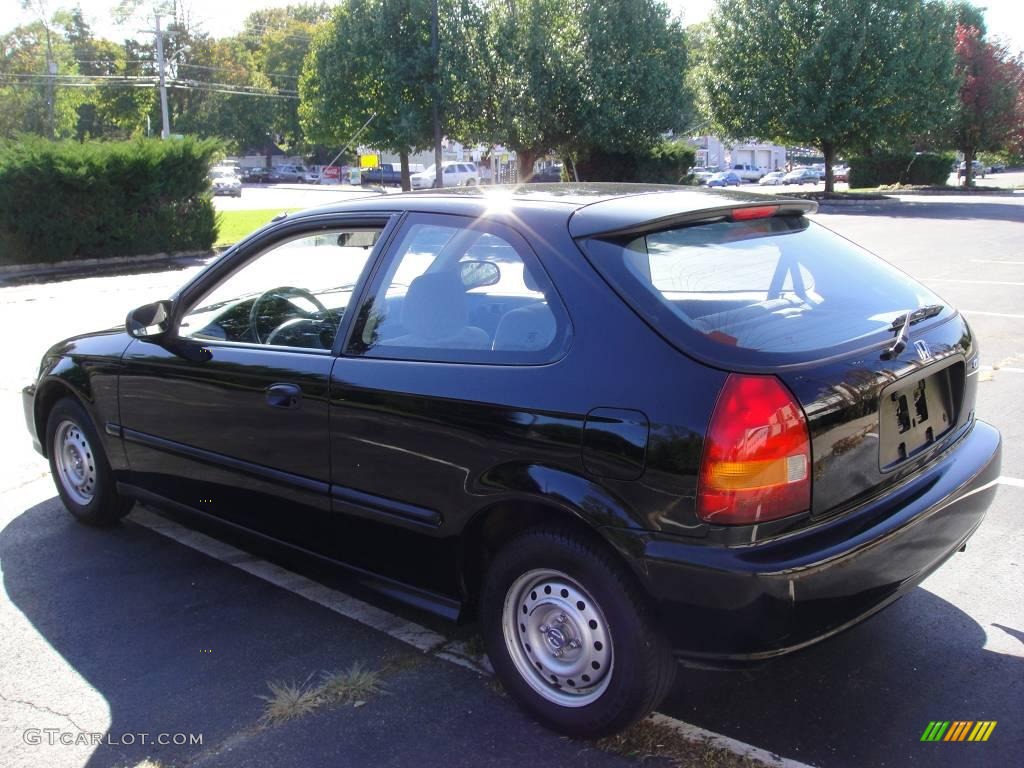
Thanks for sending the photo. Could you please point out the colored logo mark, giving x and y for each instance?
(958, 730)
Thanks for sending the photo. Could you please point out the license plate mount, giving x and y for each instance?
(914, 413)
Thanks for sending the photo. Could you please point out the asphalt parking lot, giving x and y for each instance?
(133, 631)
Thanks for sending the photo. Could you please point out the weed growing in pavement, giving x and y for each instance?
(288, 701)
(353, 686)
(651, 739)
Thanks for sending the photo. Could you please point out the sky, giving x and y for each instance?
(1004, 18)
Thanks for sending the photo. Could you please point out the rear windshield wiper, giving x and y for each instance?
(903, 322)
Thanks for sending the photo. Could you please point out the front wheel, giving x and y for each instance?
(79, 467)
(571, 636)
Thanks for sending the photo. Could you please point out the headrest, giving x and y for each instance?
(435, 305)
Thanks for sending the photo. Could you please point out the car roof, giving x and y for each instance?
(590, 208)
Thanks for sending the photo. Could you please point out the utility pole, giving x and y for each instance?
(435, 52)
(165, 131)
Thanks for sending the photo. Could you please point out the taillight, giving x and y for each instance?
(757, 454)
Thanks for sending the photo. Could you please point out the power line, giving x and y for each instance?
(239, 86)
(144, 83)
(230, 69)
(262, 95)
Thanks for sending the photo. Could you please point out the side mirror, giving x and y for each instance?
(477, 274)
(150, 321)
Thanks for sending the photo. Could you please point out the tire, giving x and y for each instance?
(79, 467)
(583, 671)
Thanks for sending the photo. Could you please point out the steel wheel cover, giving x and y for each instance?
(75, 462)
(558, 638)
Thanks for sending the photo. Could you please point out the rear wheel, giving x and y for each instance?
(571, 636)
(79, 467)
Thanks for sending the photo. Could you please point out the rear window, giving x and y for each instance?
(781, 286)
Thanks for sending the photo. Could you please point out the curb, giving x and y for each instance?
(956, 192)
(841, 203)
(105, 266)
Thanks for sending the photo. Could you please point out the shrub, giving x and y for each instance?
(666, 163)
(65, 200)
(900, 168)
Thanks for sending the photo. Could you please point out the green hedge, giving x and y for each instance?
(895, 168)
(62, 201)
(666, 163)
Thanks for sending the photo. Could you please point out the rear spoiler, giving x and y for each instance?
(640, 214)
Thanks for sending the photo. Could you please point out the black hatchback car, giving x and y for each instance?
(621, 425)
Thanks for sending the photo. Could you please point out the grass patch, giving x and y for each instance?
(648, 739)
(232, 226)
(354, 686)
(288, 701)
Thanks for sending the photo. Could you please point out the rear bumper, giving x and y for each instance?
(764, 600)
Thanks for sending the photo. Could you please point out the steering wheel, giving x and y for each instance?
(282, 292)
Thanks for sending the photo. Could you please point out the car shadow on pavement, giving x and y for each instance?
(178, 642)
(865, 696)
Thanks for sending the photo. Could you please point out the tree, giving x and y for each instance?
(279, 39)
(225, 96)
(631, 85)
(844, 75)
(371, 59)
(528, 61)
(988, 116)
(579, 77)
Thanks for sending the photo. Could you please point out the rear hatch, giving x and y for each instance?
(877, 361)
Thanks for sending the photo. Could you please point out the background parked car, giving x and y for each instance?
(747, 172)
(288, 173)
(224, 181)
(979, 169)
(841, 173)
(549, 174)
(256, 175)
(454, 174)
(384, 174)
(701, 174)
(771, 179)
(801, 176)
(724, 179)
(311, 176)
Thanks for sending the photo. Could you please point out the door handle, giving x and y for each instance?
(283, 396)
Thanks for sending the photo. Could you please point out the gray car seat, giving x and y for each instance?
(526, 329)
(436, 316)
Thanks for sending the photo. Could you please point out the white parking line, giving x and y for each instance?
(1001, 370)
(991, 314)
(970, 282)
(1015, 482)
(995, 261)
(408, 632)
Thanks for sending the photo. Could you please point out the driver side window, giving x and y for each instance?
(294, 294)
